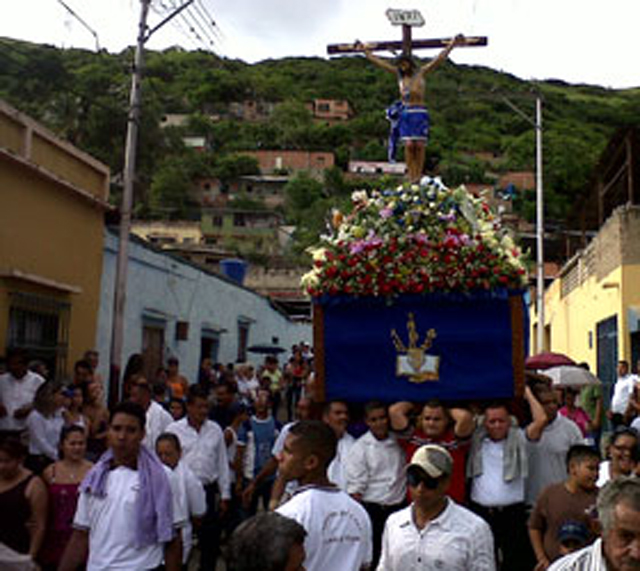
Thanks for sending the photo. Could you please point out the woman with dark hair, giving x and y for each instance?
(63, 479)
(44, 423)
(98, 416)
(177, 409)
(74, 400)
(23, 499)
(133, 370)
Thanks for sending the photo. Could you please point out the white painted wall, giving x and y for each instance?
(167, 288)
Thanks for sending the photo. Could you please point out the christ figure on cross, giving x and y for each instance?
(409, 117)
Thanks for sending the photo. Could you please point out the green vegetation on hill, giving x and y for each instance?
(83, 96)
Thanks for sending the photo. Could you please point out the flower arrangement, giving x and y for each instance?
(417, 238)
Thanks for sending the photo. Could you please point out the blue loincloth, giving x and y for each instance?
(414, 123)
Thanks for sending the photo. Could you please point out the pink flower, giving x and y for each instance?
(386, 212)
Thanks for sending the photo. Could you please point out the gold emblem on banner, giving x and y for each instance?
(412, 360)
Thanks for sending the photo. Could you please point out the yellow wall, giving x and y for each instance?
(631, 298)
(574, 317)
(49, 230)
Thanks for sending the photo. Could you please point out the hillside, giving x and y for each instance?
(83, 96)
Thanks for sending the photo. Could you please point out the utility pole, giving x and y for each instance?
(537, 125)
(539, 229)
(135, 100)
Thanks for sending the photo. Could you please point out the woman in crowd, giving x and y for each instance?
(178, 384)
(44, 423)
(572, 411)
(296, 373)
(74, 402)
(177, 408)
(623, 454)
(63, 479)
(98, 417)
(133, 369)
(192, 495)
(23, 499)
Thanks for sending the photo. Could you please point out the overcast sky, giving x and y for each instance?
(578, 41)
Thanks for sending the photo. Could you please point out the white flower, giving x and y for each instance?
(359, 196)
(310, 279)
(318, 254)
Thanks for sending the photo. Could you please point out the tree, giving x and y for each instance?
(228, 167)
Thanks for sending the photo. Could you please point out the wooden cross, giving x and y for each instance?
(407, 19)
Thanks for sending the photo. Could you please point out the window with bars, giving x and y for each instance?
(40, 325)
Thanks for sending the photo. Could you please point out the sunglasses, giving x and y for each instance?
(415, 478)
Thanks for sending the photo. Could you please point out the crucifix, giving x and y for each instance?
(409, 117)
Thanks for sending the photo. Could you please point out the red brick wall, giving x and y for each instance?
(293, 161)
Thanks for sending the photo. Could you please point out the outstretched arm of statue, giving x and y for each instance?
(375, 59)
(435, 62)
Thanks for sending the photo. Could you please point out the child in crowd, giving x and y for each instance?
(192, 496)
(572, 500)
(573, 535)
(45, 423)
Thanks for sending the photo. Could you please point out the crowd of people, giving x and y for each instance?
(534, 483)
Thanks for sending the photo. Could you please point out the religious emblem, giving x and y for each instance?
(413, 360)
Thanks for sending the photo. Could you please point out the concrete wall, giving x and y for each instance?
(166, 290)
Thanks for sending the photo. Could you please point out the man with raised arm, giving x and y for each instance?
(498, 467)
(436, 424)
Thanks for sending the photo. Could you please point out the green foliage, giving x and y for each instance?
(83, 96)
(228, 167)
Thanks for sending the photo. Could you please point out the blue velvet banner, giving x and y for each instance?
(472, 339)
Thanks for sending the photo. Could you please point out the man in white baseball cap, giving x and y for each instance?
(434, 532)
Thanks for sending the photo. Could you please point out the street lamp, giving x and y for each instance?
(537, 124)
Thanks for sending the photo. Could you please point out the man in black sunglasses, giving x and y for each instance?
(434, 532)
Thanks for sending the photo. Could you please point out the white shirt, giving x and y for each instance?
(44, 433)
(589, 558)
(489, 488)
(622, 393)
(16, 393)
(248, 388)
(337, 469)
(204, 452)
(376, 470)
(157, 421)
(548, 456)
(604, 474)
(111, 523)
(338, 529)
(457, 540)
(193, 501)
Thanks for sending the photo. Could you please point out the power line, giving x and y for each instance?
(201, 9)
(210, 40)
(177, 24)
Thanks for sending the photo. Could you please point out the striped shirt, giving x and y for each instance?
(588, 559)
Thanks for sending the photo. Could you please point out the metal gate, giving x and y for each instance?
(40, 325)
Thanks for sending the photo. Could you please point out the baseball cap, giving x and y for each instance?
(573, 531)
(433, 459)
